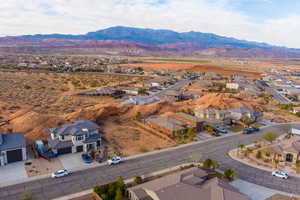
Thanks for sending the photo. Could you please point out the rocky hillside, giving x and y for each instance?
(145, 42)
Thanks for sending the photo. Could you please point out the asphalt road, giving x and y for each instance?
(48, 188)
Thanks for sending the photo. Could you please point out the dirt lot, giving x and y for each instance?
(127, 138)
(41, 166)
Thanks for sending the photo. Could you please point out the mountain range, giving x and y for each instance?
(130, 41)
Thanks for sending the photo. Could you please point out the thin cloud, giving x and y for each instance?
(19, 17)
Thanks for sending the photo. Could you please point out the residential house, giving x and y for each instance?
(130, 91)
(238, 76)
(12, 148)
(191, 184)
(81, 136)
(296, 110)
(173, 95)
(167, 125)
(236, 114)
(192, 120)
(211, 114)
(288, 150)
(242, 113)
(105, 91)
(233, 86)
(140, 100)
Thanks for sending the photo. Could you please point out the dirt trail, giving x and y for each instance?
(64, 94)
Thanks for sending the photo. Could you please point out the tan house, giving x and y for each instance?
(288, 150)
(167, 125)
(191, 184)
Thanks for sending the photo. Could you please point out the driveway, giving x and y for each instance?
(12, 172)
(256, 192)
(73, 161)
(216, 148)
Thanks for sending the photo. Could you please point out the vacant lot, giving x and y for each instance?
(54, 93)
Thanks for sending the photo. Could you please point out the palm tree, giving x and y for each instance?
(230, 174)
(211, 164)
(276, 162)
(249, 151)
(241, 147)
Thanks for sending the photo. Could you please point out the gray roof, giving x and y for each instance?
(187, 185)
(168, 123)
(56, 144)
(13, 141)
(76, 128)
(92, 138)
(1, 139)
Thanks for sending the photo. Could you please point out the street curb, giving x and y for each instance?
(157, 173)
(255, 166)
(138, 155)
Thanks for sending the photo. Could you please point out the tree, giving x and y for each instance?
(230, 174)
(138, 116)
(120, 184)
(210, 129)
(211, 164)
(191, 133)
(241, 147)
(258, 155)
(276, 162)
(119, 194)
(270, 137)
(138, 180)
(249, 151)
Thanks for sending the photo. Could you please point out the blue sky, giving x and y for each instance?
(272, 21)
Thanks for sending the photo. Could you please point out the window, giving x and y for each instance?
(62, 137)
(289, 157)
(79, 138)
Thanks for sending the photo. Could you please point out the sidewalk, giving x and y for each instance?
(138, 156)
(256, 192)
(157, 173)
(256, 166)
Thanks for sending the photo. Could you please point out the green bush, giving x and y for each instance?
(111, 191)
(138, 180)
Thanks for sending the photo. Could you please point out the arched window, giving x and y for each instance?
(289, 157)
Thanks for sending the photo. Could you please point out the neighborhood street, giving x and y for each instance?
(48, 188)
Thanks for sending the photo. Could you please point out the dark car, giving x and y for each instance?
(86, 158)
(250, 130)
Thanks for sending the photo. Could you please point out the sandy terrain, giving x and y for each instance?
(41, 166)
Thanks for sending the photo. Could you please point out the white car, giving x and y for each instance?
(60, 173)
(115, 160)
(280, 174)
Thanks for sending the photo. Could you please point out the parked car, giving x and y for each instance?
(115, 160)
(250, 130)
(60, 173)
(86, 158)
(220, 129)
(280, 174)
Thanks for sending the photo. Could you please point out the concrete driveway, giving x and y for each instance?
(73, 161)
(12, 172)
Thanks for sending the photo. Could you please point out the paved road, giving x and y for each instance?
(48, 188)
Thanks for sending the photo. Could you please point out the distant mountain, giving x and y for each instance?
(137, 41)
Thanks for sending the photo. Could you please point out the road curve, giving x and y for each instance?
(218, 149)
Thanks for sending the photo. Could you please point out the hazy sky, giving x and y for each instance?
(272, 21)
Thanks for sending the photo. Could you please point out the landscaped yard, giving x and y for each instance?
(237, 128)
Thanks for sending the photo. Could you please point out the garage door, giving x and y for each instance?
(64, 150)
(14, 155)
(79, 148)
